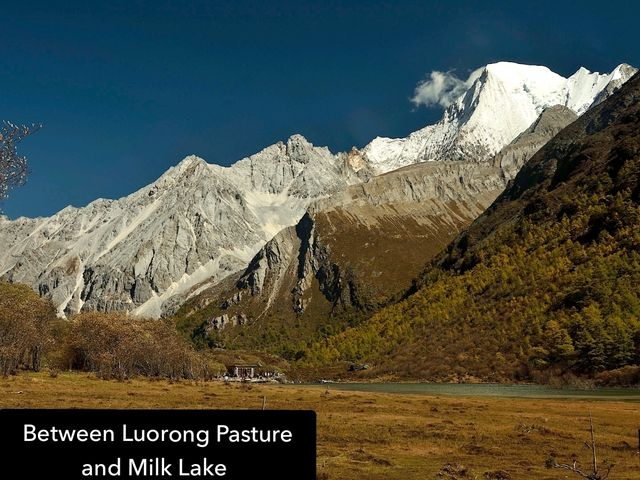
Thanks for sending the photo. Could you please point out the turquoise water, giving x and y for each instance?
(489, 390)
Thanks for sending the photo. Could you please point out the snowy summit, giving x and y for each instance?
(501, 102)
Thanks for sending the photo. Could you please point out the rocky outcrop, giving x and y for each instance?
(198, 222)
(224, 320)
(552, 120)
(355, 250)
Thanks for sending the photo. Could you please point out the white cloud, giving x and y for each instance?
(442, 88)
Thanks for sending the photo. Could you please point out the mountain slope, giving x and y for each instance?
(512, 157)
(348, 255)
(197, 222)
(353, 252)
(546, 280)
(503, 100)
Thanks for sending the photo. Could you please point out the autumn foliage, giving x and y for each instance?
(117, 346)
(113, 346)
(24, 328)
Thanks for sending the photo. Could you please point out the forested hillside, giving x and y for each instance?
(547, 280)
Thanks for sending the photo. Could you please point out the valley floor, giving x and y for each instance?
(366, 435)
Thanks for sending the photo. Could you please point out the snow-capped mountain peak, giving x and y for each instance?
(501, 102)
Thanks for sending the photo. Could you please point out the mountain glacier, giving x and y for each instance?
(199, 223)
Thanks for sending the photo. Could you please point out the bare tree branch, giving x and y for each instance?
(594, 474)
(13, 167)
(594, 458)
(573, 468)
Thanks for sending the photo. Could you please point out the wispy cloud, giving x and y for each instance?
(442, 88)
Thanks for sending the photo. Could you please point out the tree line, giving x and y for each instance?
(111, 345)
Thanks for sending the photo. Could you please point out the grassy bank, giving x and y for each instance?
(382, 436)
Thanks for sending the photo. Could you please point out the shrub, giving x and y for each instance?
(25, 321)
(115, 346)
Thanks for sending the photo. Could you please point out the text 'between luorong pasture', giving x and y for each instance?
(169, 443)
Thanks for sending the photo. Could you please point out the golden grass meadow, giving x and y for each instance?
(364, 435)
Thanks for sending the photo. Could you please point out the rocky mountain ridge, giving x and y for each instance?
(200, 223)
(197, 222)
(354, 251)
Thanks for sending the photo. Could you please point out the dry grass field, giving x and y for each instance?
(384, 436)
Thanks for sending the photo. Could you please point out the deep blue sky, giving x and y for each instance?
(127, 89)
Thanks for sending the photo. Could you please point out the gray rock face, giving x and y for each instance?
(620, 75)
(424, 205)
(525, 145)
(197, 222)
(222, 321)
